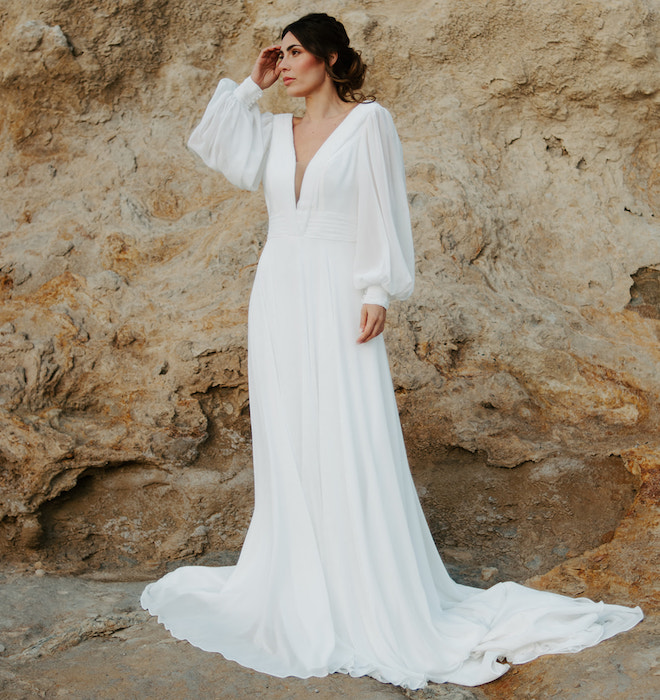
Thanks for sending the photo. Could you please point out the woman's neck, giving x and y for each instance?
(325, 103)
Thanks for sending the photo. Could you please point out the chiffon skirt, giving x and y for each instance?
(339, 571)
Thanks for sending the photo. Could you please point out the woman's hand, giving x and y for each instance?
(372, 322)
(266, 70)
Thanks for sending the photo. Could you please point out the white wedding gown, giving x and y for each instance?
(338, 571)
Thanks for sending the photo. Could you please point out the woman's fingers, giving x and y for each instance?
(266, 70)
(372, 322)
(372, 330)
(270, 55)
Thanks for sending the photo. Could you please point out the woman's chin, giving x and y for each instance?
(294, 90)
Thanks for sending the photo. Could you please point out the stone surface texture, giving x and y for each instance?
(532, 342)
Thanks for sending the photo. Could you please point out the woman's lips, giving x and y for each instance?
(287, 80)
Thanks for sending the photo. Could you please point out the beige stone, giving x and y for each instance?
(530, 133)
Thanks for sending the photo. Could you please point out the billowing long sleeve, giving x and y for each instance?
(384, 264)
(233, 136)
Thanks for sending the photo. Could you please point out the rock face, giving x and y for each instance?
(531, 134)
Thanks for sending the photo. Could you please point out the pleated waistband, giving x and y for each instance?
(314, 225)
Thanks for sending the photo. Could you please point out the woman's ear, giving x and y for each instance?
(333, 58)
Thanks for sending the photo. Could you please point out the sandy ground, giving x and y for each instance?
(74, 638)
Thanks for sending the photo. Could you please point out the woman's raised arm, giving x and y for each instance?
(233, 137)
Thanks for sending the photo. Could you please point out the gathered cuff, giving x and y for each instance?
(248, 92)
(375, 294)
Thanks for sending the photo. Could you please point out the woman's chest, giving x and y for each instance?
(309, 137)
(327, 181)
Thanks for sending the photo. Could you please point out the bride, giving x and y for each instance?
(338, 571)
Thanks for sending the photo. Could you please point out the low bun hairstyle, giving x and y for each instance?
(323, 36)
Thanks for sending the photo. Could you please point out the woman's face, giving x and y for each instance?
(302, 73)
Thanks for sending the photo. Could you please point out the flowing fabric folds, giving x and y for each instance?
(384, 251)
(339, 571)
(233, 119)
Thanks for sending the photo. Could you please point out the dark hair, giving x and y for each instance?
(323, 36)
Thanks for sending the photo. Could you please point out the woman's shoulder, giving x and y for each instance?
(376, 115)
(372, 106)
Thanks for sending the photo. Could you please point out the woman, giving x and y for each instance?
(338, 571)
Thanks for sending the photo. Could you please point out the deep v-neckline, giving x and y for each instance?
(329, 137)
